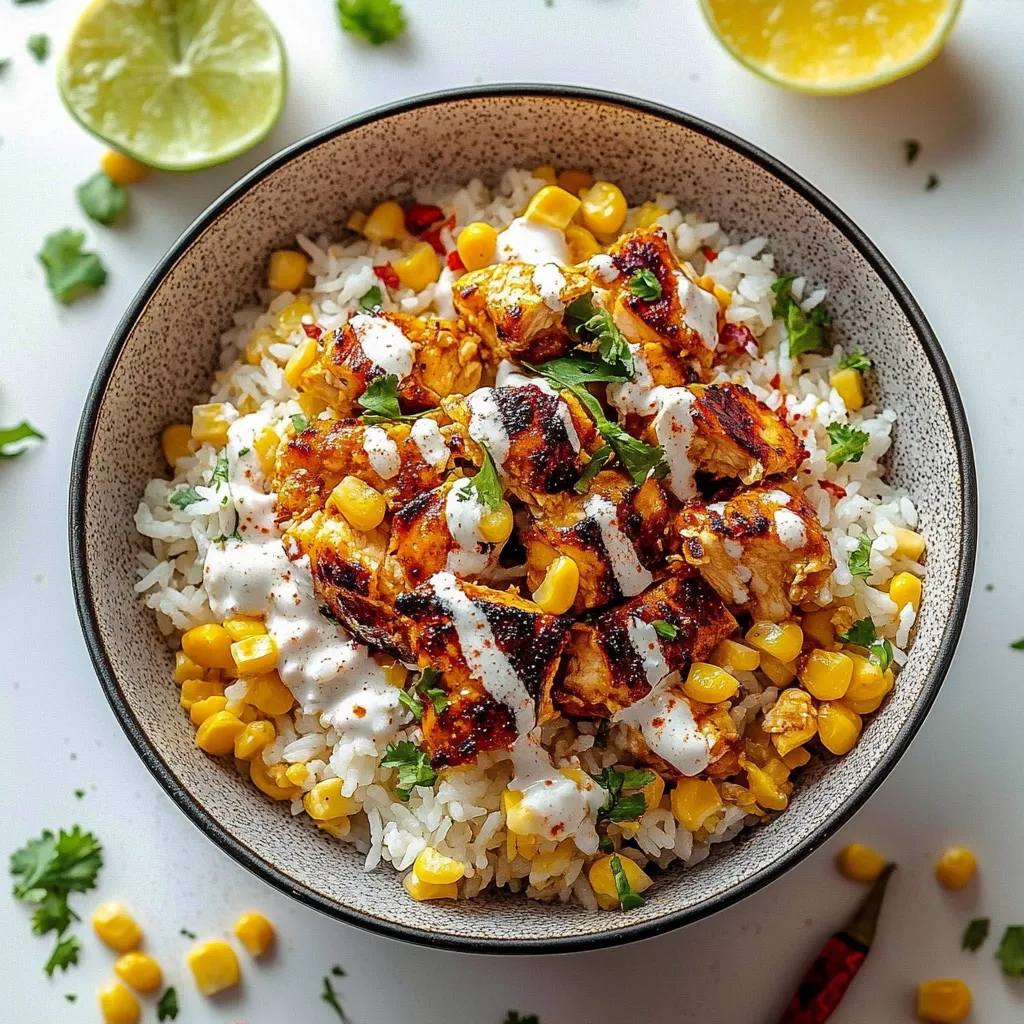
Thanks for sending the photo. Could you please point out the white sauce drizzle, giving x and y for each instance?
(549, 281)
(384, 344)
(604, 267)
(462, 512)
(644, 638)
(700, 310)
(630, 575)
(668, 726)
(673, 427)
(791, 529)
(778, 497)
(486, 425)
(382, 452)
(526, 242)
(443, 294)
(427, 436)
(636, 396)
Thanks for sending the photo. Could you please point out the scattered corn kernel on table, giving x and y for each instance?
(958, 784)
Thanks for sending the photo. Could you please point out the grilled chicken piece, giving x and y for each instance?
(610, 667)
(432, 358)
(313, 461)
(517, 308)
(615, 533)
(533, 434)
(530, 640)
(654, 366)
(685, 319)
(763, 549)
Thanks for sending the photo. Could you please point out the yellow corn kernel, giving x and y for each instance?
(289, 320)
(838, 727)
(648, 213)
(140, 971)
(496, 524)
(395, 672)
(337, 827)
(301, 360)
(943, 1001)
(117, 1004)
(723, 295)
(241, 626)
(254, 932)
(826, 674)
(195, 690)
(735, 657)
(850, 385)
(386, 223)
(796, 758)
(476, 245)
(210, 424)
(552, 206)
(214, 966)
(867, 681)
(186, 668)
(254, 738)
(287, 270)
(956, 867)
(324, 801)
(116, 927)
(777, 770)
(818, 626)
(203, 709)
(905, 589)
(558, 589)
(603, 207)
(121, 169)
(909, 544)
(268, 694)
(603, 881)
(782, 640)
(176, 442)
(312, 405)
(419, 268)
(255, 655)
(420, 890)
(653, 792)
(216, 736)
(518, 819)
(258, 347)
(778, 672)
(208, 645)
(362, 505)
(265, 445)
(860, 863)
(765, 789)
(356, 221)
(266, 783)
(296, 774)
(545, 173)
(554, 862)
(574, 181)
(709, 683)
(436, 869)
(694, 801)
(582, 244)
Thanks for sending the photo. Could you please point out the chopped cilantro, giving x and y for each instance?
(186, 933)
(862, 634)
(486, 485)
(1018, 645)
(64, 955)
(805, 331)
(414, 706)
(989, 587)
(514, 1016)
(167, 1007)
(299, 421)
(380, 399)
(597, 460)
(604, 726)
(605, 844)
(101, 199)
(856, 360)
(859, 561)
(644, 285)
(70, 272)
(372, 299)
(579, 368)
(243, 451)
(1011, 951)
(975, 934)
(412, 765)
(39, 46)
(185, 497)
(221, 470)
(848, 443)
(79, 793)
(376, 21)
(329, 616)
(70, 996)
(617, 807)
(628, 899)
(12, 439)
(665, 629)
(424, 686)
(338, 971)
(590, 324)
(5, 62)
(931, 183)
(911, 148)
(330, 997)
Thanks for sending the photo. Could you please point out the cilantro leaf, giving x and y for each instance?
(515, 1017)
(605, 844)
(975, 934)
(53, 914)
(299, 421)
(11, 436)
(848, 443)
(68, 863)
(645, 285)
(911, 148)
(856, 360)
(859, 561)
(221, 470)
(1018, 645)
(862, 634)
(409, 701)
(188, 934)
(640, 460)
(102, 199)
(412, 765)
(380, 399)
(587, 323)
(665, 629)
(597, 460)
(569, 371)
(486, 485)
(617, 807)
(427, 685)
(1011, 951)
(185, 497)
(376, 21)
(70, 272)
(805, 331)
(167, 1007)
(931, 183)
(64, 955)
(39, 46)
(338, 971)
(628, 899)
(372, 299)
(604, 726)
(330, 997)
(70, 997)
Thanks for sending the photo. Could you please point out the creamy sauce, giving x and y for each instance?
(791, 529)
(549, 281)
(462, 513)
(669, 729)
(382, 452)
(603, 266)
(526, 242)
(384, 344)
(644, 639)
(700, 310)
(427, 436)
(508, 376)
(486, 425)
(443, 294)
(778, 497)
(630, 575)
(673, 427)
(635, 397)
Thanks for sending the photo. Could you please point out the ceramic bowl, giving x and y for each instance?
(161, 359)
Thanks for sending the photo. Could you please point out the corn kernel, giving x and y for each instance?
(324, 801)
(826, 674)
(241, 626)
(866, 682)
(709, 683)
(552, 206)
(775, 768)
(258, 347)
(140, 971)
(254, 739)
(436, 869)
(186, 668)
(860, 863)
(176, 442)
(604, 208)
(496, 524)
(289, 319)
(558, 589)
(255, 655)
(850, 386)
(723, 295)
(301, 360)
(254, 932)
(956, 867)
(296, 774)
(265, 445)
(117, 1004)
(121, 169)
(419, 268)
(782, 640)
(838, 727)
(648, 213)
(395, 672)
(735, 657)
(337, 827)
(694, 801)
(195, 690)
(420, 890)
(477, 244)
(386, 223)
(909, 544)
(268, 694)
(116, 927)
(603, 881)
(362, 505)
(208, 645)
(266, 783)
(905, 589)
(943, 1001)
(545, 173)
(287, 270)
(653, 792)
(210, 424)
(518, 818)
(796, 758)
(312, 405)
(216, 736)
(765, 789)
(357, 221)
(203, 709)
(778, 672)
(582, 244)
(214, 966)
(574, 181)
(817, 625)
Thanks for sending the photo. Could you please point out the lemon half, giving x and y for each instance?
(832, 46)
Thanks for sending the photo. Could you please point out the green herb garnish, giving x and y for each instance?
(243, 451)
(805, 331)
(644, 285)
(330, 997)
(628, 899)
(605, 844)
(571, 371)
(604, 726)
(856, 360)
(859, 561)
(862, 634)
(299, 421)
(592, 468)
(911, 148)
(931, 183)
(70, 272)
(79, 793)
(1018, 645)
(376, 21)
(186, 933)
(412, 765)
(589, 324)
(70, 997)
(101, 199)
(185, 497)
(975, 934)
(221, 471)
(1011, 951)
(13, 440)
(617, 807)
(514, 1016)
(380, 399)
(486, 485)
(425, 686)
(39, 46)
(665, 629)
(372, 299)
(167, 1007)
(848, 443)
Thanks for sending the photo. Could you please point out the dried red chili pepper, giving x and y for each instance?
(826, 982)
(387, 274)
(433, 235)
(313, 331)
(709, 254)
(419, 217)
(454, 261)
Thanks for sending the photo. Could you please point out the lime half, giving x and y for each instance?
(832, 46)
(176, 84)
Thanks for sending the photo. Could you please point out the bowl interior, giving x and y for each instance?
(169, 350)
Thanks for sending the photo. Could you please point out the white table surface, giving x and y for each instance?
(959, 249)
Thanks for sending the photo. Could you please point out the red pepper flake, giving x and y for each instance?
(736, 340)
(387, 274)
(776, 382)
(313, 331)
(709, 254)
(834, 489)
(419, 217)
(454, 261)
(433, 235)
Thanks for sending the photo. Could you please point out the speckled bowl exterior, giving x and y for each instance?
(161, 359)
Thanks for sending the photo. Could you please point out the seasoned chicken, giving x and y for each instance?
(466, 631)
(615, 533)
(684, 318)
(517, 308)
(610, 666)
(654, 367)
(431, 358)
(763, 550)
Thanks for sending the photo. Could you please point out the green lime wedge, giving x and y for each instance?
(177, 84)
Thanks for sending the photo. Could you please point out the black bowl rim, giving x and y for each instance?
(614, 936)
